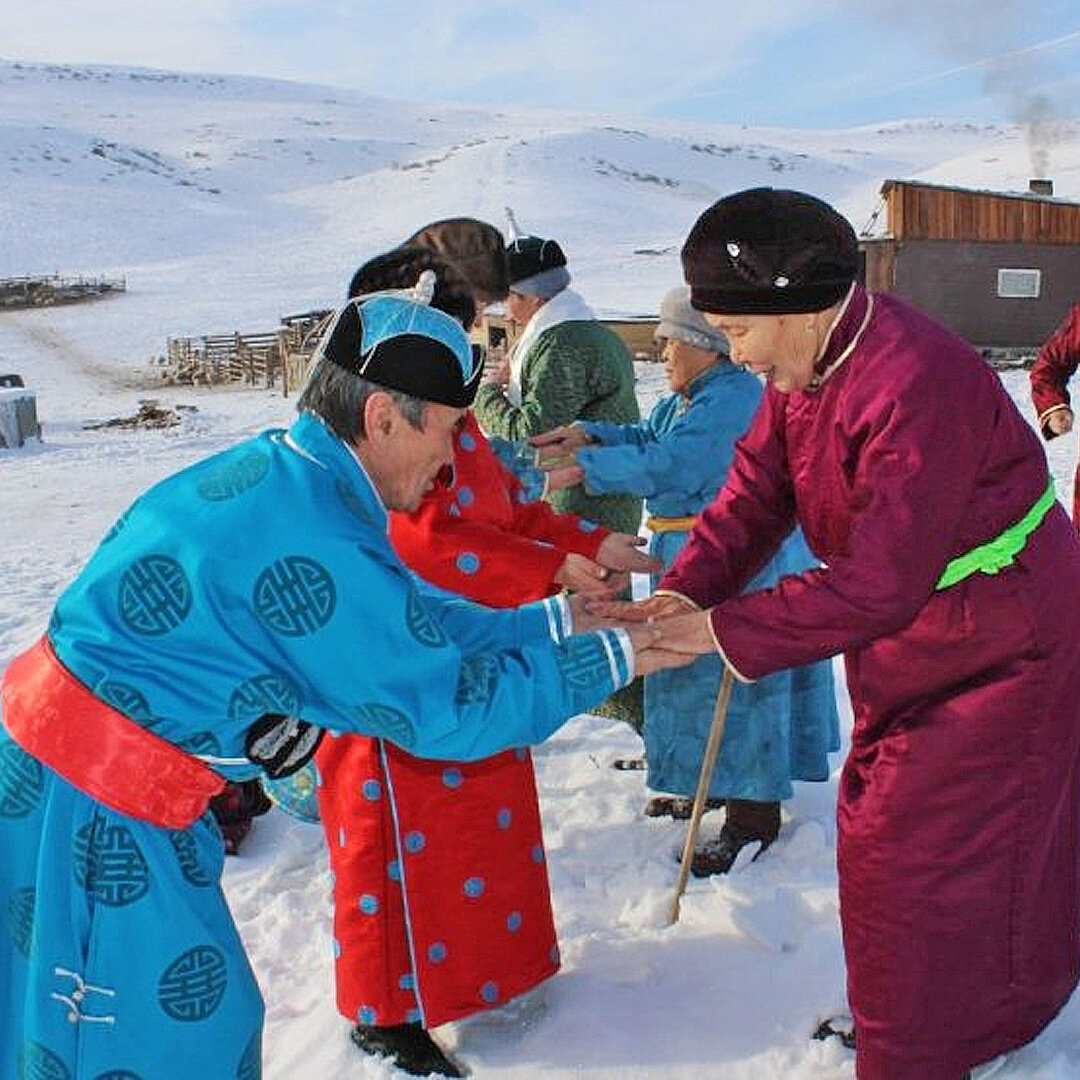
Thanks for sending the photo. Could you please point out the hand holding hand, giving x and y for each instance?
(556, 447)
(1060, 422)
(690, 633)
(621, 551)
(649, 653)
(579, 574)
(563, 476)
(621, 611)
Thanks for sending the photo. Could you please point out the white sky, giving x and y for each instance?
(774, 62)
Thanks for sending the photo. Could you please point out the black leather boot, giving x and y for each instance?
(747, 822)
(678, 807)
(408, 1046)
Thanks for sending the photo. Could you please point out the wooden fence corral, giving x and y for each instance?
(246, 358)
(306, 330)
(27, 292)
(286, 353)
(252, 359)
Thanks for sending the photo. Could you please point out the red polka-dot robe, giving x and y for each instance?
(441, 899)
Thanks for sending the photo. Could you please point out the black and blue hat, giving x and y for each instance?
(404, 345)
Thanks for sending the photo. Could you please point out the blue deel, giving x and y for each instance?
(779, 728)
(260, 580)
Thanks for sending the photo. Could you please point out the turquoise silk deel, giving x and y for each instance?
(259, 581)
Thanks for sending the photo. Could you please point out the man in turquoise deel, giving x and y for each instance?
(235, 611)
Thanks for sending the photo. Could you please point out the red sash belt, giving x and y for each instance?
(103, 753)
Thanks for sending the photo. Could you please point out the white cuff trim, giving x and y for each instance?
(560, 617)
(678, 596)
(1051, 410)
(724, 656)
(622, 639)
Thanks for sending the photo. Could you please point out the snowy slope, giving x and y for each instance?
(229, 202)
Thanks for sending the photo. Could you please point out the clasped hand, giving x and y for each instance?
(555, 455)
(618, 556)
(1060, 423)
(666, 631)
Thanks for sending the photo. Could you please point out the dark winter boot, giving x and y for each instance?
(747, 822)
(408, 1046)
(235, 808)
(678, 807)
(758, 820)
(836, 1027)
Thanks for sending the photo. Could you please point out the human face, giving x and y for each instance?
(684, 362)
(783, 348)
(410, 459)
(522, 308)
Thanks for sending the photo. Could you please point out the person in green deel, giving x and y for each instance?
(564, 366)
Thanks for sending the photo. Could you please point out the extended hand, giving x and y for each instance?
(563, 476)
(1060, 422)
(649, 654)
(556, 447)
(656, 607)
(622, 551)
(580, 574)
(690, 633)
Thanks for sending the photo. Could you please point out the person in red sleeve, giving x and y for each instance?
(1054, 366)
(479, 535)
(494, 935)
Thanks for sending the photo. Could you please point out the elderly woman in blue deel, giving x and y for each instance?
(236, 610)
(778, 729)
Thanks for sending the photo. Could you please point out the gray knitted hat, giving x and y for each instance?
(681, 321)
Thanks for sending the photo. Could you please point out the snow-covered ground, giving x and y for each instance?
(227, 203)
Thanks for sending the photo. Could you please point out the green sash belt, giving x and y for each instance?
(1000, 552)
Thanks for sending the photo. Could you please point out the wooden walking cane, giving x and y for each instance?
(712, 749)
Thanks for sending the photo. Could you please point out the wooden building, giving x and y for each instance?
(636, 332)
(1000, 269)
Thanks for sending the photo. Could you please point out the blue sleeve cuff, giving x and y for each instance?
(559, 617)
(620, 650)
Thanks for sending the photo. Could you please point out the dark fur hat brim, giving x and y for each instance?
(474, 247)
(769, 251)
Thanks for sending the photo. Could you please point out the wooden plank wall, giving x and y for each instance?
(926, 212)
(636, 334)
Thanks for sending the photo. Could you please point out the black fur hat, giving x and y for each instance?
(405, 345)
(768, 251)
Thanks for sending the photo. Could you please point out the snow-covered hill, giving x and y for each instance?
(264, 195)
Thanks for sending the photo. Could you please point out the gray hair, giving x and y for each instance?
(338, 397)
(544, 285)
